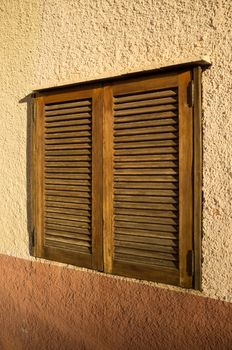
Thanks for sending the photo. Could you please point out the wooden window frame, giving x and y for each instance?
(103, 174)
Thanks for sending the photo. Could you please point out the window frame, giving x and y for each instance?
(103, 197)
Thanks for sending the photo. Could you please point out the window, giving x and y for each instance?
(116, 176)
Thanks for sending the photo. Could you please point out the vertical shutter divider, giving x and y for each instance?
(97, 180)
(108, 178)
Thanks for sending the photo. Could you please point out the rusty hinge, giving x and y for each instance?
(190, 95)
(190, 262)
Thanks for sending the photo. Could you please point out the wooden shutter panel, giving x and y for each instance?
(112, 175)
(150, 236)
(68, 161)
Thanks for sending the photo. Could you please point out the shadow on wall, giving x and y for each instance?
(29, 102)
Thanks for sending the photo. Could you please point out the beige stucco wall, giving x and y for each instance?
(61, 40)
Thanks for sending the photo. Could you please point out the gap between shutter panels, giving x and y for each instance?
(146, 178)
(68, 165)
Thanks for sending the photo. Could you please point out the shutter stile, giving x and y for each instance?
(146, 175)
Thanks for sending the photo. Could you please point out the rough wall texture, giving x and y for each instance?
(44, 40)
(62, 309)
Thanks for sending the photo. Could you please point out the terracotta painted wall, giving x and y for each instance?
(49, 307)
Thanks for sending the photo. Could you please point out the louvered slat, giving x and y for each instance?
(67, 165)
(146, 172)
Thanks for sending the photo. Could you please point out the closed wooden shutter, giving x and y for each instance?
(67, 162)
(116, 176)
(151, 179)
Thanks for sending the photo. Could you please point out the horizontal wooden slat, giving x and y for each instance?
(148, 261)
(65, 245)
(144, 96)
(67, 222)
(68, 140)
(170, 215)
(167, 107)
(68, 211)
(67, 117)
(73, 162)
(142, 171)
(149, 151)
(67, 229)
(143, 185)
(146, 157)
(69, 182)
(67, 123)
(68, 111)
(145, 247)
(61, 135)
(145, 165)
(67, 193)
(144, 117)
(69, 176)
(84, 166)
(64, 205)
(146, 130)
(70, 240)
(142, 124)
(69, 200)
(143, 144)
(146, 226)
(80, 239)
(146, 199)
(68, 188)
(145, 233)
(145, 103)
(72, 148)
(82, 158)
(145, 192)
(145, 219)
(86, 149)
(147, 137)
(144, 253)
(141, 205)
(74, 235)
(71, 104)
(62, 170)
(147, 240)
(68, 217)
(63, 129)
(152, 178)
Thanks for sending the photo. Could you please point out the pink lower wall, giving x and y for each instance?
(43, 306)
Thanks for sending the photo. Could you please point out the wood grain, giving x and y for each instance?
(108, 230)
(185, 179)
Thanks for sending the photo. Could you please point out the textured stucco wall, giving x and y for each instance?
(64, 309)
(57, 40)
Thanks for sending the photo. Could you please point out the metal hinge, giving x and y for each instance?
(33, 237)
(190, 96)
(190, 262)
